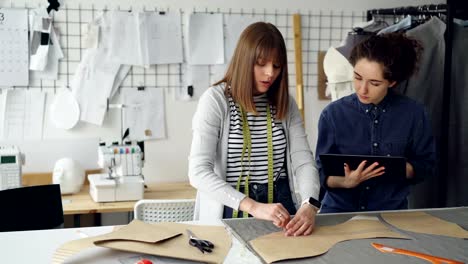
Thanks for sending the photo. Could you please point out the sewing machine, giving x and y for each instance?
(123, 180)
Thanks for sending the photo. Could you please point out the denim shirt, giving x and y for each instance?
(397, 126)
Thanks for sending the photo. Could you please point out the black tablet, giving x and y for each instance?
(333, 164)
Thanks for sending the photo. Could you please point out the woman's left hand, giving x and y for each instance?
(303, 222)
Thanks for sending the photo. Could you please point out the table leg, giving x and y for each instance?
(97, 219)
(76, 220)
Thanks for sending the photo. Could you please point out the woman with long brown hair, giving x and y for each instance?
(249, 153)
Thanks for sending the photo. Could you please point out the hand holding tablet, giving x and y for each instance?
(394, 167)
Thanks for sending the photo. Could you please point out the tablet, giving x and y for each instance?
(395, 167)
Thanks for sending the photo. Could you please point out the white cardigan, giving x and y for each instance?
(208, 157)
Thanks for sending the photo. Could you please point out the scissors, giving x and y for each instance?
(201, 244)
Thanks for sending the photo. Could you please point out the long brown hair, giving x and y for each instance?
(258, 41)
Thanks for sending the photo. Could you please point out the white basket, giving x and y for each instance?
(153, 211)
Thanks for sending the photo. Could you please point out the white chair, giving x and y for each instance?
(153, 211)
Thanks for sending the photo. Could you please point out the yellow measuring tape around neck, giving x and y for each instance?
(247, 146)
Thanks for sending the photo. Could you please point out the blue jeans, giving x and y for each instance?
(259, 192)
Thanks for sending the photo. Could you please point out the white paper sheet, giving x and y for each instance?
(121, 74)
(22, 114)
(49, 69)
(206, 39)
(235, 24)
(196, 76)
(96, 77)
(161, 38)
(124, 38)
(40, 24)
(14, 55)
(144, 113)
(90, 37)
(144, 38)
(55, 53)
(92, 85)
(199, 77)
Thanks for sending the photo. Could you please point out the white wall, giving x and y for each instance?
(166, 160)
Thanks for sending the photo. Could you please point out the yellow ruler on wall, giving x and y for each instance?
(298, 62)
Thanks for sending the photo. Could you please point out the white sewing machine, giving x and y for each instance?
(11, 160)
(124, 179)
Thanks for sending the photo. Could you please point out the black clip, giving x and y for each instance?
(126, 134)
(53, 4)
(190, 90)
(140, 88)
(45, 39)
(162, 12)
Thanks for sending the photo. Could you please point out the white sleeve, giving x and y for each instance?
(206, 129)
(302, 159)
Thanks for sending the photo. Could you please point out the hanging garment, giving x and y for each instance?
(339, 74)
(457, 176)
(426, 86)
(375, 27)
(361, 31)
(402, 25)
(351, 40)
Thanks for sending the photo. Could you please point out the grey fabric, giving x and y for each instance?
(351, 41)
(360, 250)
(457, 177)
(426, 86)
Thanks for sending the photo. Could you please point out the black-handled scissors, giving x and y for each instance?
(201, 244)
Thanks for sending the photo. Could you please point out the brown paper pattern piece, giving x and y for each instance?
(421, 222)
(161, 239)
(140, 232)
(276, 246)
(178, 247)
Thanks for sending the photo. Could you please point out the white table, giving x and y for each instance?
(39, 246)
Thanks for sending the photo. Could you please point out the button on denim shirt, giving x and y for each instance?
(397, 126)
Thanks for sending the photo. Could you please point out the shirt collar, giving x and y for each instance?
(381, 107)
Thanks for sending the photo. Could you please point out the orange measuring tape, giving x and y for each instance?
(430, 258)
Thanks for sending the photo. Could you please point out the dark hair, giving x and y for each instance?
(398, 54)
(258, 41)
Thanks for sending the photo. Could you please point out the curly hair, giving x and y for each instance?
(398, 54)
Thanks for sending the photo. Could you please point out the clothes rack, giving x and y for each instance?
(452, 9)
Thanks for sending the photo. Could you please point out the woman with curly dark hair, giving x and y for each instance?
(377, 121)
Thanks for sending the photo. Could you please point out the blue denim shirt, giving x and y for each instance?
(397, 126)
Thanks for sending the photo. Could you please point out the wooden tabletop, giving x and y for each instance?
(82, 203)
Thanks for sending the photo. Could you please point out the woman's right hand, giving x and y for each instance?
(353, 178)
(274, 212)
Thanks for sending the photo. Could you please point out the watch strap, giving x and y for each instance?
(313, 202)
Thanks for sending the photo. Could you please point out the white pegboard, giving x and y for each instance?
(167, 159)
(320, 30)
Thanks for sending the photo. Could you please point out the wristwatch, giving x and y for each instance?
(314, 203)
